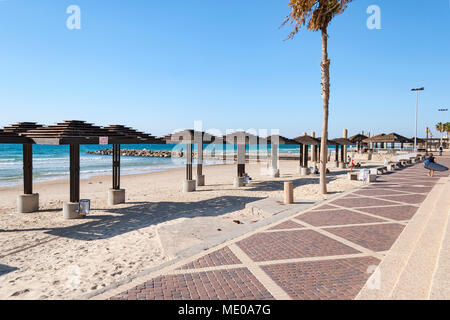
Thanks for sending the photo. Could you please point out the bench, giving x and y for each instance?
(378, 170)
(353, 176)
(391, 167)
(397, 165)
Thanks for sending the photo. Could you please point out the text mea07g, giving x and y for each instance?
(231, 309)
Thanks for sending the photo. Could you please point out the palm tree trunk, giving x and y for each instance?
(325, 66)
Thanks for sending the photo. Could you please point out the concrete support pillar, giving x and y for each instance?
(116, 196)
(274, 170)
(189, 184)
(200, 180)
(301, 154)
(304, 171)
(313, 150)
(345, 136)
(74, 173)
(240, 159)
(336, 157)
(70, 211)
(200, 177)
(306, 158)
(27, 203)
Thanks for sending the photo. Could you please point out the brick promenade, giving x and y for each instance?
(327, 252)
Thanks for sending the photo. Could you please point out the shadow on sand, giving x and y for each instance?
(140, 215)
(4, 269)
(279, 185)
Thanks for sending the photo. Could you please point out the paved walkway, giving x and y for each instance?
(327, 252)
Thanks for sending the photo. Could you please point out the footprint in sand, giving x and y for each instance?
(18, 293)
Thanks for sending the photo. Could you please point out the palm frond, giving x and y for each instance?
(314, 14)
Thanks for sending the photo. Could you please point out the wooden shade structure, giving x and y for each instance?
(14, 134)
(241, 139)
(73, 133)
(126, 135)
(190, 137)
(358, 140)
(341, 143)
(277, 139)
(388, 138)
(305, 141)
(329, 143)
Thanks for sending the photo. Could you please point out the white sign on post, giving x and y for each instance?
(103, 140)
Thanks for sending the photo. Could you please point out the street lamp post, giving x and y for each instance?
(443, 119)
(417, 111)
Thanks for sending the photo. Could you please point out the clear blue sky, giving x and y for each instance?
(159, 65)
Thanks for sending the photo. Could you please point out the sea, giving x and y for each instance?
(51, 162)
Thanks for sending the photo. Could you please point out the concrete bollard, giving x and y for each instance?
(116, 196)
(27, 203)
(288, 193)
(70, 211)
(189, 185)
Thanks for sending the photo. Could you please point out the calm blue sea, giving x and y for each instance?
(52, 162)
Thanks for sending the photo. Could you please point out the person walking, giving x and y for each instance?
(429, 160)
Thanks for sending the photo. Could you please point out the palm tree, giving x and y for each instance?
(447, 127)
(440, 127)
(317, 15)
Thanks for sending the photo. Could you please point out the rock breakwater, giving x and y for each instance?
(142, 153)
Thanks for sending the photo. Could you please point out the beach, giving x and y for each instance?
(46, 257)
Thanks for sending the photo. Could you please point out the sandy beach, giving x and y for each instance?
(46, 257)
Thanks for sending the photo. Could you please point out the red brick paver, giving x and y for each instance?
(412, 198)
(329, 268)
(335, 217)
(377, 237)
(361, 202)
(323, 280)
(221, 257)
(287, 225)
(291, 244)
(234, 284)
(398, 213)
(380, 192)
(325, 207)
